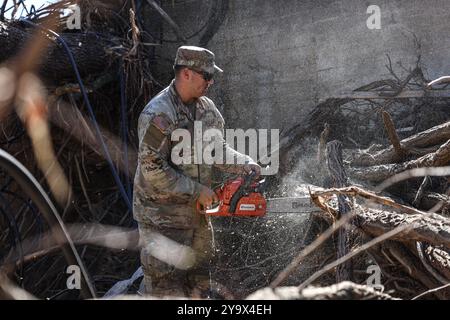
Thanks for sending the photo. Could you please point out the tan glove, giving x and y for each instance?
(207, 198)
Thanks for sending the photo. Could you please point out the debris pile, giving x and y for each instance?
(373, 162)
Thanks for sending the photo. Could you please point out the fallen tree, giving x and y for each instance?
(391, 227)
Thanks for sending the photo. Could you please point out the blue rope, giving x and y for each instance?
(91, 112)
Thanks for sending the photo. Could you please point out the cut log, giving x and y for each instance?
(379, 173)
(431, 228)
(435, 135)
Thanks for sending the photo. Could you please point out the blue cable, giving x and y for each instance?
(91, 112)
(124, 125)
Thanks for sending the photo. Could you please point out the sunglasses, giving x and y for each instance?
(206, 75)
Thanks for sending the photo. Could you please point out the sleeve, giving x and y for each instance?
(153, 157)
(237, 167)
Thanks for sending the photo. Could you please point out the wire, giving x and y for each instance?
(124, 125)
(36, 193)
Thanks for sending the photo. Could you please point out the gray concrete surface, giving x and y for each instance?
(281, 57)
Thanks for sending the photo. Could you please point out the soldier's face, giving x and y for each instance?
(199, 85)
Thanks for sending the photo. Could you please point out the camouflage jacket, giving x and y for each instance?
(165, 194)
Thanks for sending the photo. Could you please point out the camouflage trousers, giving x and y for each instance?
(176, 262)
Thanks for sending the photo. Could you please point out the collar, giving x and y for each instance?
(180, 106)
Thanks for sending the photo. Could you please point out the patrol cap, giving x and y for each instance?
(197, 58)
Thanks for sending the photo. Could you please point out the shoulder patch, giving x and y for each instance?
(161, 122)
(157, 132)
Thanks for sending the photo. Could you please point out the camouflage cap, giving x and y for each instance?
(197, 58)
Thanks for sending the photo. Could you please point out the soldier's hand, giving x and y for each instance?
(249, 167)
(207, 198)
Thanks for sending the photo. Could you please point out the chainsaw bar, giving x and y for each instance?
(298, 205)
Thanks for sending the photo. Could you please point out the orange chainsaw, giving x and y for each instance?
(241, 197)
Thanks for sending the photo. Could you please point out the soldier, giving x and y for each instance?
(175, 237)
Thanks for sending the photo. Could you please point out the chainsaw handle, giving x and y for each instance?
(249, 177)
(202, 210)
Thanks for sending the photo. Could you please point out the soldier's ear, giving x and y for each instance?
(186, 73)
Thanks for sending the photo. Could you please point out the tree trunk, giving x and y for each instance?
(435, 135)
(339, 179)
(379, 173)
(89, 51)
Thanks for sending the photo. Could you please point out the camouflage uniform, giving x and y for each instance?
(165, 194)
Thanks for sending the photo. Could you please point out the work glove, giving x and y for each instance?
(207, 198)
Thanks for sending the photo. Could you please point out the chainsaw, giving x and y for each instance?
(243, 197)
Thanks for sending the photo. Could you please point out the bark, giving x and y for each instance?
(90, 52)
(429, 266)
(70, 119)
(322, 144)
(379, 173)
(439, 259)
(414, 268)
(428, 199)
(431, 228)
(342, 291)
(425, 139)
(393, 137)
(339, 178)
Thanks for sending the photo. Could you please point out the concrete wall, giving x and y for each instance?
(281, 57)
